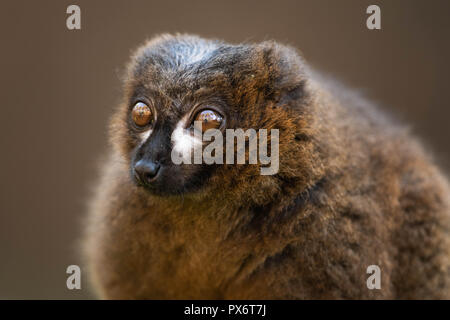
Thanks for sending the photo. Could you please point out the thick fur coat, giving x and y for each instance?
(354, 189)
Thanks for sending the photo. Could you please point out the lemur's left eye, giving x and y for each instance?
(141, 114)
(210, 119)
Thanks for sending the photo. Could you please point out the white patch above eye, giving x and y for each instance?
(183, 140)
(143, 136)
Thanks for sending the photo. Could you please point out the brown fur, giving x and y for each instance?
(353, 190)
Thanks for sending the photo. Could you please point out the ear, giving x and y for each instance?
(285, 72)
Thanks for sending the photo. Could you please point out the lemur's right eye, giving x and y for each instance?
(210, 119)
(141, 114)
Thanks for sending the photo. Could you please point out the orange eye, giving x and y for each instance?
(141, 114)
(209, 118)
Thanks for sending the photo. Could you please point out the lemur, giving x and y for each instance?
(354, 187)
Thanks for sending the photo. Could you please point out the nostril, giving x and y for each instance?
(146, 170)
(152, 171)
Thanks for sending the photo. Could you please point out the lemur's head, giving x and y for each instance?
(173, 81)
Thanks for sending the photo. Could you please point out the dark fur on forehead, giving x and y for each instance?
(192, 63)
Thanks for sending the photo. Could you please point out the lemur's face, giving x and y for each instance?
(162, 128)
(171, 84)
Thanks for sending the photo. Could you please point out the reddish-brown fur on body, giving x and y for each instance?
(353, 190)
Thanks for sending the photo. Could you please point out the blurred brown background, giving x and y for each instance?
(58, 88)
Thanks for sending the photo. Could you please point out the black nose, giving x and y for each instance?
(146, 171)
